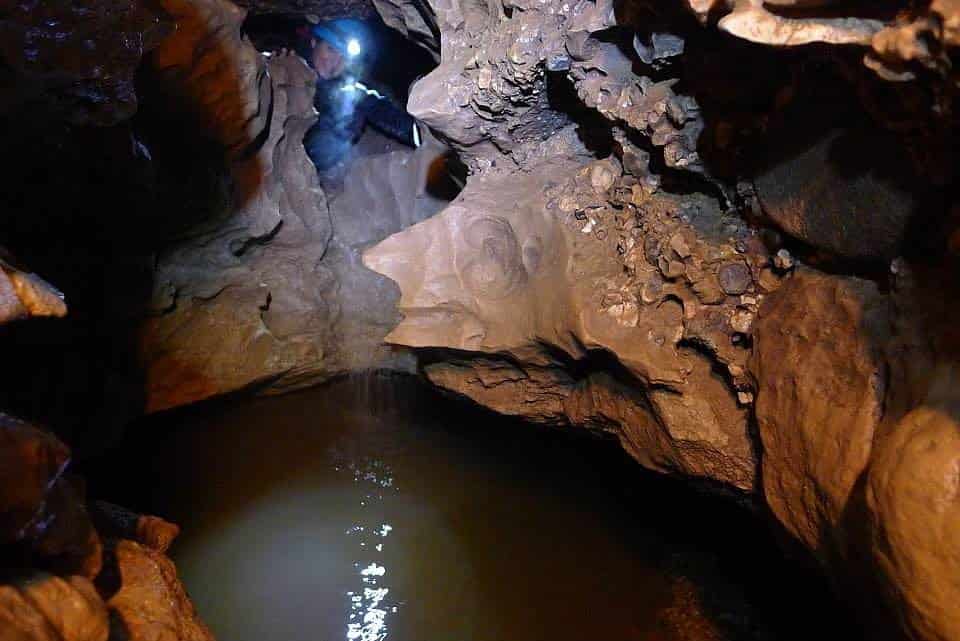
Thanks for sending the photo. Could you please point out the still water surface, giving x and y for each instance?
(373, 509)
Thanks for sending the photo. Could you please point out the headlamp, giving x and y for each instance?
(353, 47)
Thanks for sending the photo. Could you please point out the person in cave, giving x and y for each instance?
(339, 52)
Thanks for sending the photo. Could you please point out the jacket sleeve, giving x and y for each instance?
(389, 119)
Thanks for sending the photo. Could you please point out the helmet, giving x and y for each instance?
(349, 36)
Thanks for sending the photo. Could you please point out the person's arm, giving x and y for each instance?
(389, 119)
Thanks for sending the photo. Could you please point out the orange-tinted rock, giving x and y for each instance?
(549, 280)
(151, 603)
(820, 395)
(39, 506)
(913, 495)
(114, 521)
(42, 607)
(68, 542)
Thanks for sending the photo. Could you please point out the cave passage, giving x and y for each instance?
(374, 508)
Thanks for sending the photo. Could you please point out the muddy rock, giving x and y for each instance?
(820, 394)
(24, 295)
(569, 266)
(32, 462)
(150, 603)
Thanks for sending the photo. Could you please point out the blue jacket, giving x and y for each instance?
(344, 107)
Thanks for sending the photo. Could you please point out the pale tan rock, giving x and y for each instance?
(24, 295)
(820, 398)
(913, 496)
(501, 272)
(752, 22)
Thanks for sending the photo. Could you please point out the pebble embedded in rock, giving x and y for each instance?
(670, 268)
(734, 278)
(783, 260)
(601, 177)
(679, 245)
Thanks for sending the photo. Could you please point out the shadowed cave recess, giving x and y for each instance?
(653, 336)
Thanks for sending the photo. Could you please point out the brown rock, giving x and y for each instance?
(820, 394)
(465, 286)
(115, 521)
(734, 278)
(68, 542)
(31, 461)
(23, 295)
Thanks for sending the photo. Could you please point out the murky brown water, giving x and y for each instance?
(373, 509)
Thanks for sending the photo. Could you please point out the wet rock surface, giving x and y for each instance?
(821, 385)
(724, 232)
(659, 293)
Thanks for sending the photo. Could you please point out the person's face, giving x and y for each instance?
(327, 61)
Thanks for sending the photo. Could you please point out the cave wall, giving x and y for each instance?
(265, 289)
(713, 230)
(723, 232)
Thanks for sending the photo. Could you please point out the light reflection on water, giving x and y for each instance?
(369, 606)
(374, 511)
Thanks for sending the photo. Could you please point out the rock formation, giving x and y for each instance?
(724, 232)
(659, 292)
(268, 291)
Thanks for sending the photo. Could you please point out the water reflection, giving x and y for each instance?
(375, 510)
(369, 606)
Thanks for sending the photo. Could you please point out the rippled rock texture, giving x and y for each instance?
(266, 290)
(724, 232)
(734, 288)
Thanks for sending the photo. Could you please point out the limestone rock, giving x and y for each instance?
(24, 295)
(31, 461)
(917, 42)
(208, 68)
(42, 607)
(151, 603)
(75, 62)
(751, 21)
(820, 398)
(912, 492)
(842, 194)
(41, 507)
(324, 8)
(534, 275)
(265, 293)
(414, 19)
